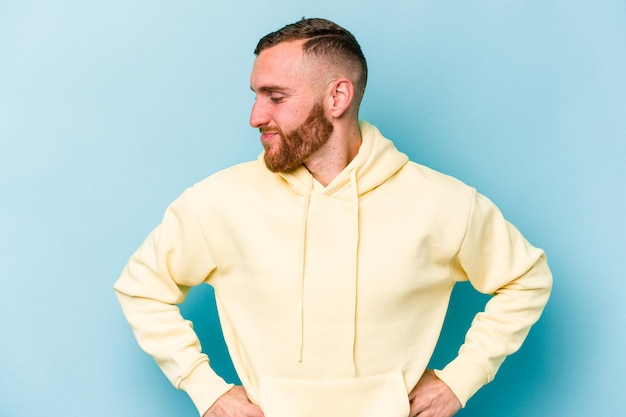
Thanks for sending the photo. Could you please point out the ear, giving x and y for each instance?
(341, 94)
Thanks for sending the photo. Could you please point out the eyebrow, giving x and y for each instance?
(271, 89)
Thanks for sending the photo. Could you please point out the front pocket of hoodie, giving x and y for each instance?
(372, 396)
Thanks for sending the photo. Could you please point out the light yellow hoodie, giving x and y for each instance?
(332, 299)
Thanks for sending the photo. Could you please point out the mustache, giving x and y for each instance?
(269, 129)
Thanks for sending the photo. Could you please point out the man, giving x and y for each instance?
(332, 258)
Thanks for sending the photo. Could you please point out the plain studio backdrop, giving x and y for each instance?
(110, 109)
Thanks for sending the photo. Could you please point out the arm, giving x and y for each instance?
(497, 260)
(158, 276)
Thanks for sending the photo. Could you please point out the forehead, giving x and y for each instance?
(280, 65)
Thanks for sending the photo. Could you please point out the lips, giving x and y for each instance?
(268, 134)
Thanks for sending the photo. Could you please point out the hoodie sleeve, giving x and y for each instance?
(157, 277)
(497, 260)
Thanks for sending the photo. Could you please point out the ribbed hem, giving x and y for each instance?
(204, 387)
(464, 376)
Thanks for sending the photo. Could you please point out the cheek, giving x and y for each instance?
(288, 121)
(292, 114)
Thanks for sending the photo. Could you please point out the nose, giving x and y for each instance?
(258, 115)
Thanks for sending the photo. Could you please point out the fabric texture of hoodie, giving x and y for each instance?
(331, 299)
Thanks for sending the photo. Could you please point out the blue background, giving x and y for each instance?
(109, 109)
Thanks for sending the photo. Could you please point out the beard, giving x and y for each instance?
(297, 146)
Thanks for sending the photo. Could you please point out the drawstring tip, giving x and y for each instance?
(353, 369)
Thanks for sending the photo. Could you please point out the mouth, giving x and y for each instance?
(268, 135)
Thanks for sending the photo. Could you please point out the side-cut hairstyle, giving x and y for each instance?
(324, 39)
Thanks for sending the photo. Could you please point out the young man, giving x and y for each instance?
(332, 258)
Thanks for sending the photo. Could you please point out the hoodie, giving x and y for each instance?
(331, 299)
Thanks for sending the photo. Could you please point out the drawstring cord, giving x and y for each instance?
(355, 201)
(355, 225)
(305, 215)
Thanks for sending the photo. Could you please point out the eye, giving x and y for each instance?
(277, 99)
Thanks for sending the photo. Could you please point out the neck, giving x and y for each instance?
(335, 155)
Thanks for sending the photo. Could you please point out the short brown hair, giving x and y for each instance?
(323, 39)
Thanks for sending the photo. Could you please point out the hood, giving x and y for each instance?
(377, 160)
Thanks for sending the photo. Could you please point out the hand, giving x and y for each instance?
(234, 403)
(431, 397)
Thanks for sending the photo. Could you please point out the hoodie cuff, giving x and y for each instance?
(464, 376)
(204, 387)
